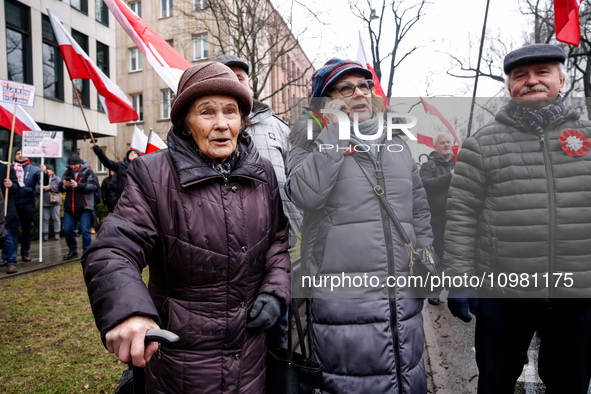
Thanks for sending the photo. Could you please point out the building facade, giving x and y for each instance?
(32, 56)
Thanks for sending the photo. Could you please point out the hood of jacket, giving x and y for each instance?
(191, 168)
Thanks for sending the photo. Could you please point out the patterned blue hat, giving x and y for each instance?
(332, 70)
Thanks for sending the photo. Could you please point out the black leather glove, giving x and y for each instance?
(97, 149)
(264, 312)
(463, 302)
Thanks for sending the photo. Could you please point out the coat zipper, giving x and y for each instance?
(552, 203)
(391, 267)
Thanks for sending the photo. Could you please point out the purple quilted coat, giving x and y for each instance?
(212, 245)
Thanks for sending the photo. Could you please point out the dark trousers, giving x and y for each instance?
(25, 213)
(504, 329)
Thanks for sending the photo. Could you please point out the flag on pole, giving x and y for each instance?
(155, 143)
(22, 122)
(167, 62)
(364, 60)
(116, 104)
(566, 21)
(431, 110)
(139, 140)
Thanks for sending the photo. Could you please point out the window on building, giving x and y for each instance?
(137, 8)
(82, 85)
(53, 74)
(165, 104)
(102, 12)
(199, 5)
(19, 57)
(200, 47)
(100, 167)
(80, 5)
(135, 59)
(165, 8)
(138, 105)
(102, 62)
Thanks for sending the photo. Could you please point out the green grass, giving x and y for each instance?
(48, 340)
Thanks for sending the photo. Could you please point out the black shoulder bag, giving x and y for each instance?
(289, 372)
(423, 263)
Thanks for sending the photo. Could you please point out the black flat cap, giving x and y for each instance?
(232, 61)
(536, 53)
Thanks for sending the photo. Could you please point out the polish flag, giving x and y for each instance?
(22, 122)
(566, 21)
(167, 62)
(155, 143)
(428, 140)
(364, 60)
(139, 140)
(114, 101)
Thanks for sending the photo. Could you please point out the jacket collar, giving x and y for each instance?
(192, 169)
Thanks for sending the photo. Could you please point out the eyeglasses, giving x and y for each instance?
(347, 89)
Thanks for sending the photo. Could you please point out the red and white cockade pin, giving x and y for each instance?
(574, 143)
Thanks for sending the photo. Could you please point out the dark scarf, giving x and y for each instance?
(537, 119)
(225, 168)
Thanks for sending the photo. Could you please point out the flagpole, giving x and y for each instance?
(41, 211)
(9, 158)
(81, 109)
(148, 143)
(478, 69)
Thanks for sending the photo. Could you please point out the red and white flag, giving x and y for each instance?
(364, 60)
(22, 122)
(116, 104)
(167, 62)
(139, 140)
(428, 140)
(155, 143)
(566, 21)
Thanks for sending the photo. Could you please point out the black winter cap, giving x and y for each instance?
(231, 61)
(536, 53)
(74, 158)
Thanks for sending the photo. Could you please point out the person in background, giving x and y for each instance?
(52, 203)
(28, 177)
(436, 175)
(79, 183)
(11, 221)
(120, 167)
(270, 135)
(109, 191)
(519, 206)
(205, 216)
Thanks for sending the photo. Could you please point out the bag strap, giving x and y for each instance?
(293, 308)
(379, 191)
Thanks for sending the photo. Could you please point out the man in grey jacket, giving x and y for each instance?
(519, 207)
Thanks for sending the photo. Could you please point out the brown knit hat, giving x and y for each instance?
(207, 79)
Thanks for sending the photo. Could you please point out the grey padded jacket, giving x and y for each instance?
(270, 135)
(519, 204)
(365, 345)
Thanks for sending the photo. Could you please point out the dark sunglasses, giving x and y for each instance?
(347, 89)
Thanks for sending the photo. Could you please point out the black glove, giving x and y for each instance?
(264, 312)
(97, 149)
(462, 301)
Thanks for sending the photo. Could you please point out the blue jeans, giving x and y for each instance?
(71, 224)
(9, 251)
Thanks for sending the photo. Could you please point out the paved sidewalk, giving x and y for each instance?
(53, 253)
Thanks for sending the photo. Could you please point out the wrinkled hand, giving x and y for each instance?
(264, 312)
(463, 302)
(97, 149)
(7, 183)
(46, 188)
(126, 340)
